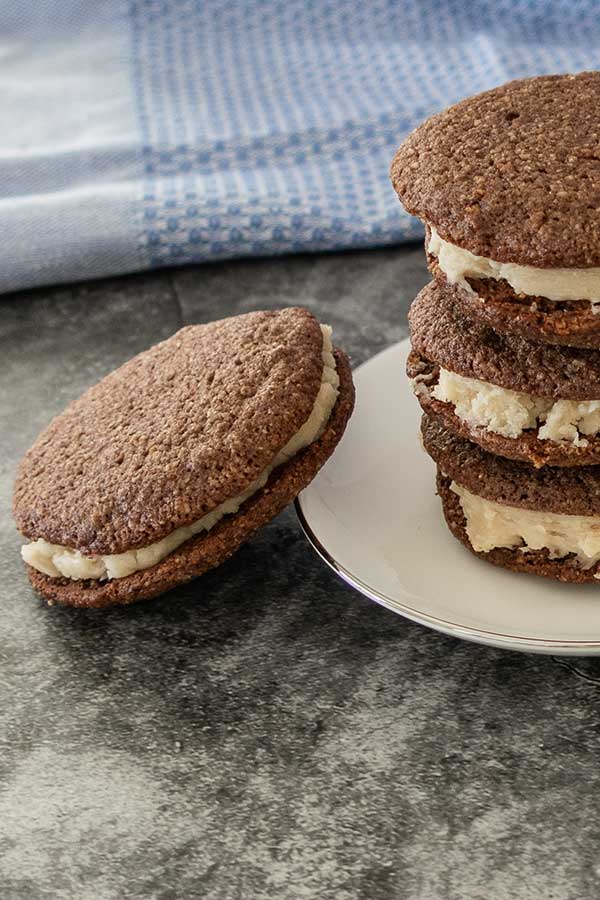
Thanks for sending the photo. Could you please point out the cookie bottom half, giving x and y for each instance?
(534, 562)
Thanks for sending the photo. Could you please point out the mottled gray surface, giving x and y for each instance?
(265, 732)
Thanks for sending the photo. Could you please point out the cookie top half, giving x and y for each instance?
(563, 490)
(442, 333)
(171, 434)
(512, 174)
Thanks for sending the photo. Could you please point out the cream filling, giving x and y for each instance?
(458, 264)
(510, 413)
(490, 524)
(55, 560)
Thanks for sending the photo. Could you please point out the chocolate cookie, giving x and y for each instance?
(512, 174)
(443, 337)
(222, 424)
(205, 552)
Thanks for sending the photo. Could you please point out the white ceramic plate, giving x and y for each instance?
(372, 514)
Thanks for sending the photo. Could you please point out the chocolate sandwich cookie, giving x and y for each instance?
(542, 521)
(508, 183)
(515, 397)
(163, 469)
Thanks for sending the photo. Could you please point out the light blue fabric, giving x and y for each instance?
(158, 132)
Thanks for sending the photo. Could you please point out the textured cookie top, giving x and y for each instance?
(571, 491)
(172, 433)
(512, 174)
(442, 333)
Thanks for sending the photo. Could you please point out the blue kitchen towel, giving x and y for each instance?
(159, 132)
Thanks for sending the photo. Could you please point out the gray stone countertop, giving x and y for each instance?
(265, 732)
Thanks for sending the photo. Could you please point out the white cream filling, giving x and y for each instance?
(55, 560)
(458, 264)
(490, 524)
(510, 413)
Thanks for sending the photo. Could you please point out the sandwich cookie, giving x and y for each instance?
(508, 184)
(519, 398)
(165, 467)
(542, 521)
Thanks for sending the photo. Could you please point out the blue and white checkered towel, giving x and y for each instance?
(158, 132)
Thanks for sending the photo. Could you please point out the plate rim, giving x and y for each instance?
(466, 632)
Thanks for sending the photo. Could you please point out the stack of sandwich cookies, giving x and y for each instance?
(163, 469)
(505, 357)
